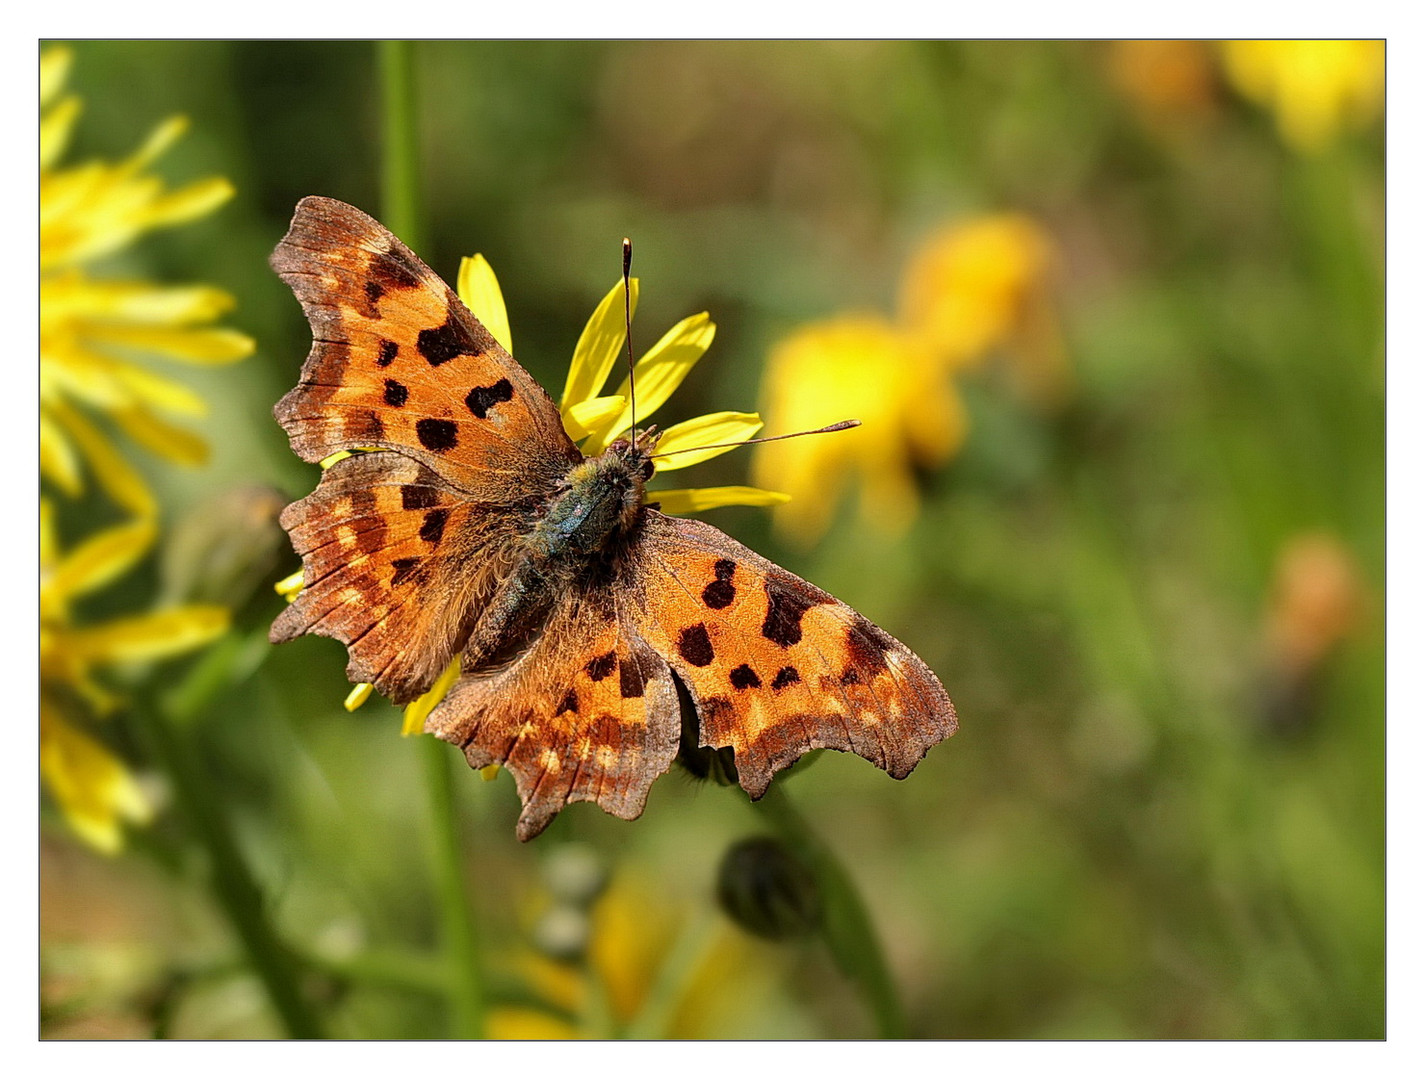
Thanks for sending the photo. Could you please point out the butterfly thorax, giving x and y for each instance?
(598, 501)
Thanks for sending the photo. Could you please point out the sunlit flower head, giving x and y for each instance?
(981, 285)
(1317, 598)
(92, 787)
(972, 290)
(595, 419)
(862, 366)
(1316, 89)
(93, 330)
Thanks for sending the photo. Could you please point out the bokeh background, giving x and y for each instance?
(1114, 314)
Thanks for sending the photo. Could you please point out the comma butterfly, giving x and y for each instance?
(470, 524)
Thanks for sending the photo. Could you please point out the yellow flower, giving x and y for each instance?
(91, 329)
(973, 289)
(980, 286)
(596, 420)
(92, 787)
(1317, 89)
(863, 366)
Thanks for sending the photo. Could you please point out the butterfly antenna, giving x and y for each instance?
(840, 425)
(628, 337)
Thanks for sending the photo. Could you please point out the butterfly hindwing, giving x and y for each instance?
(776, 666)
(399, 362)
(588, 713)
(395, 564)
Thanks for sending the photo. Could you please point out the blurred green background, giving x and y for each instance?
(1156, 596)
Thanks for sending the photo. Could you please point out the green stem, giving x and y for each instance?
(400, 192)
(846, 925)
(457, 921)
(400, 154)
(232, 884)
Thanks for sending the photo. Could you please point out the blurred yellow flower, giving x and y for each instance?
(91, 329)
(972, 289)
(983, 285)
(92, 787)
(862, 366)
(1317, 89)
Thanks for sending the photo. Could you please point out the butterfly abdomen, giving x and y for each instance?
(574, 537)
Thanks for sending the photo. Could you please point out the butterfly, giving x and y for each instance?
(466, 522)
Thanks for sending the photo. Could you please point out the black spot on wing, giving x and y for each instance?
(416, 497)
(443, 342)
(631, 679)
(787, 676)
(484, 398)
(386, 353)
(720, 592)
(743, 677)
(433, 527)
(404, 569)
(393, 270)
(695, 646)
(601, 667)
(569, 704)
(785, 608)
(396, 393)
(437, 435)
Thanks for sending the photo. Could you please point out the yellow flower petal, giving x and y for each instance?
(357, 698)
(58, 462)
(56, 127)
(114, 474)
(97, 561)
(155, 636)
(214, 345)
(583, 417)
(479, 290)
(290, 586)
(599, 346)
(690, 442)
(414, 721)
(658, 374)
(159, 391)
(94, 789)
(696, 500)
(165, 439)
(55, 63)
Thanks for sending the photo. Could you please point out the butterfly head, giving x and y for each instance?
(636, 452)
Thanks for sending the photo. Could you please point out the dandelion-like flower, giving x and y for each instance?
(93, 788)
(972, 290)
(92, 329)
(595, 420)
(1316, 89)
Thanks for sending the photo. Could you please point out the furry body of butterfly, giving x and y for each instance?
(467, 523)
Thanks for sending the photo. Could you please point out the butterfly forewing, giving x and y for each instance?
(398, 362)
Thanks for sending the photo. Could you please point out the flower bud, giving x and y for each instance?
(767, 890)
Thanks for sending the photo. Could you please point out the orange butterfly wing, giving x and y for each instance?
(776, 666)
(588, 713)
(398, 362)
(396, 565)
(402, 550)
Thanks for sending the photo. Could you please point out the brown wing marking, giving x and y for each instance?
(399, 362)
(588, 713)
(776, 666)
(383, 541)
